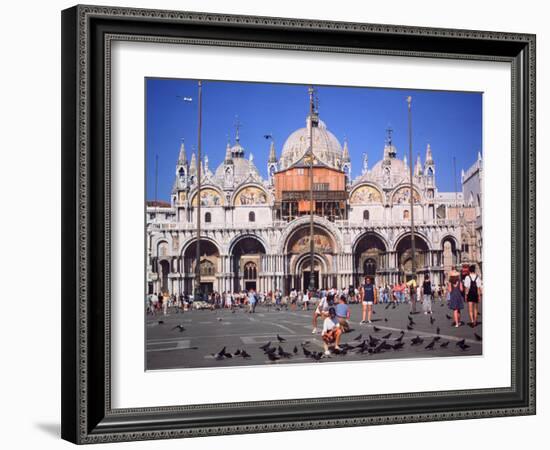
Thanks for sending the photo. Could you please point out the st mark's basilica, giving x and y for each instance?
(255, 232)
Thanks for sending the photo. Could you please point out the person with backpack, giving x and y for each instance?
(472, 285)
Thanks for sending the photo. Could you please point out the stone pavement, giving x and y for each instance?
(207, 332)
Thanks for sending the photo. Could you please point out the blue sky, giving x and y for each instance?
(450, 121)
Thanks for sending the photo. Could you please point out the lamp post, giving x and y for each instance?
(311, 286)
(413, 249)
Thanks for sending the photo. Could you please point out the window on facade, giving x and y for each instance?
(208, 217)
(366, 214)
(251, 216)
(250, 271)
(320, 186)
(207, 268)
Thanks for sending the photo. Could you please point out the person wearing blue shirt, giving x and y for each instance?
(343, 313)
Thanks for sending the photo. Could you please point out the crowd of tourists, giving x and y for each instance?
(332, 305)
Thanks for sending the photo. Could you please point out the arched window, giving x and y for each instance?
(252, 216)
(366, 214)
(250, 271)
(208, 217)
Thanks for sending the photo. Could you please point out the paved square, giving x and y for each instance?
(205, 333)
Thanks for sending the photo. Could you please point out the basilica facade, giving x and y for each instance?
(255, 231)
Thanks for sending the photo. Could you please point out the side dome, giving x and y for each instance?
(325, 146)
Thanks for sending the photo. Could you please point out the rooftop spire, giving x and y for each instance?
(418, 167)
(238, 125)
(272, 154)
(182, 159)
(345, 154)
(228, 153)
(429, 158)
(193, 164)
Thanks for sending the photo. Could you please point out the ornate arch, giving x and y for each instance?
(449, 237)
(251, 185)
(185, 245)
(244, 235)
(157, 239)
(360, 236)
(405, 186)
(204, 189)
(305, 259)
(418, 234)
(296, 224)
(355, 191)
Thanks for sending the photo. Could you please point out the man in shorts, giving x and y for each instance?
(472, 286)
(368, 297)
(321, 311)
(331, 332)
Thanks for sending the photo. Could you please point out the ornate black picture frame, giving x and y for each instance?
(87, 35)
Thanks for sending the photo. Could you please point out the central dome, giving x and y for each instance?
(325, 146)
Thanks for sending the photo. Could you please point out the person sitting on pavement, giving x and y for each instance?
(331, 332)
(343, 314)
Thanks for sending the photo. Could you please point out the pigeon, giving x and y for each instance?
(459, 343)
(437, 338)
(409, 327)
(179, 327)
(448, 317)
(358, 338)
(385, 319)
(373, 341)
(478, 337)
(438, 330)
(280, 339)
(306, 352)
(265, 346)
(387, 306)
(373, 311)
(376, 329)
(270, 350)
(317, 355)
(430, 346)
(398, 346)
(399, 339)
(161, 322)
(463, 346)
(233, 311)
(379, 347)
(237, 352)
(244, 354)
(444, 344)
(273, 357)
(432, 320)
(221, 354)
(417, 340)
(295, 349)
(386, 336)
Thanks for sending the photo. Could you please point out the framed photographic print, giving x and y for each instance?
(254, 204)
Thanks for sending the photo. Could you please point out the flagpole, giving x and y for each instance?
(198, 293)
(413, 249)
(311, 286)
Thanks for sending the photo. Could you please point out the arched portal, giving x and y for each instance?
(298, 259)
(370, 258)
(405, 257)
(209, 266)
(246, 261)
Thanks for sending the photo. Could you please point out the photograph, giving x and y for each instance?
(306, 224)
